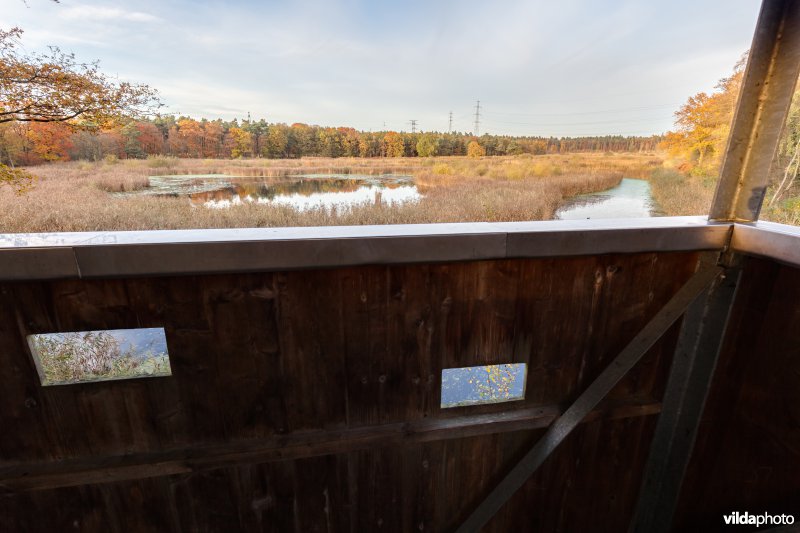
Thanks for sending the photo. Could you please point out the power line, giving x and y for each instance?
(477, 118)
(450, 124)
(413, 125)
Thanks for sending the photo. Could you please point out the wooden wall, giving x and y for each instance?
(747, 455)
(271, 355)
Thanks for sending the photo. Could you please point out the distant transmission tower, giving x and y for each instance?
(413, 125)
(477, 118)
(450, 124)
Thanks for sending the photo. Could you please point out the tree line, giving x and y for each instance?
(28, 143)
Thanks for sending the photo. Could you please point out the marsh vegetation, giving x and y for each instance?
(83, 196)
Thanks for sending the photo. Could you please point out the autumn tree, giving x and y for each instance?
(703, 124)
(370, 145)
(538, 147)
(393, 143)
(14, 142)
(239, 142)
(55, 87)
(112, 143)
(330, 142)
(190, 132)
(302, 140)
(176, 144)
(350, 142)
(50, 141)
(150, 138)
(474, 149)
(277, 143)
(213, 135)
(703, 127)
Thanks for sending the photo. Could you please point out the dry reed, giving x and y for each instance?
(72, 196)
(677, 194)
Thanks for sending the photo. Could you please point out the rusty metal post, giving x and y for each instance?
(767, 87)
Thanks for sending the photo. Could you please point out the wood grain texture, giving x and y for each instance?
(747, 453)
(104, 469)
(265, 355)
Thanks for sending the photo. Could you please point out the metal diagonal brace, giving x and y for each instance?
(589, 399)
(692, 371)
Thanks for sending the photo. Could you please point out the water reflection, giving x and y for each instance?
(630, 199)
(301, 192)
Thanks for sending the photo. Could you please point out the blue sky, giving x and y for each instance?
(538, 67)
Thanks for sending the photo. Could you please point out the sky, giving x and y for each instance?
(538, 67)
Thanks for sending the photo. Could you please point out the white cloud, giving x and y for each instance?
(538, 67)
(105, 14)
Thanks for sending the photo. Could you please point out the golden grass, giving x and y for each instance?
(786, 210)
(122, 184)
(73, 196)
(677, 194)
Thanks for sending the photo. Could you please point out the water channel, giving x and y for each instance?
(632, 198)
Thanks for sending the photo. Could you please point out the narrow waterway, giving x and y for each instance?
(632, 198)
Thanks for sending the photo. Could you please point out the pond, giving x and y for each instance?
(302, 192)
(632, 198)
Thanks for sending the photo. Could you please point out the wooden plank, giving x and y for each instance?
(233, 354)
(590, 482)
(24, 419)
(410, 329)
(362, 382)
(589, 399)
(91, 470)
(747, 453)
(247, 355)
(33, 305)
(311, 350)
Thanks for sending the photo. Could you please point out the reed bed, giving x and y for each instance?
(678, 194)
(76, 196)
